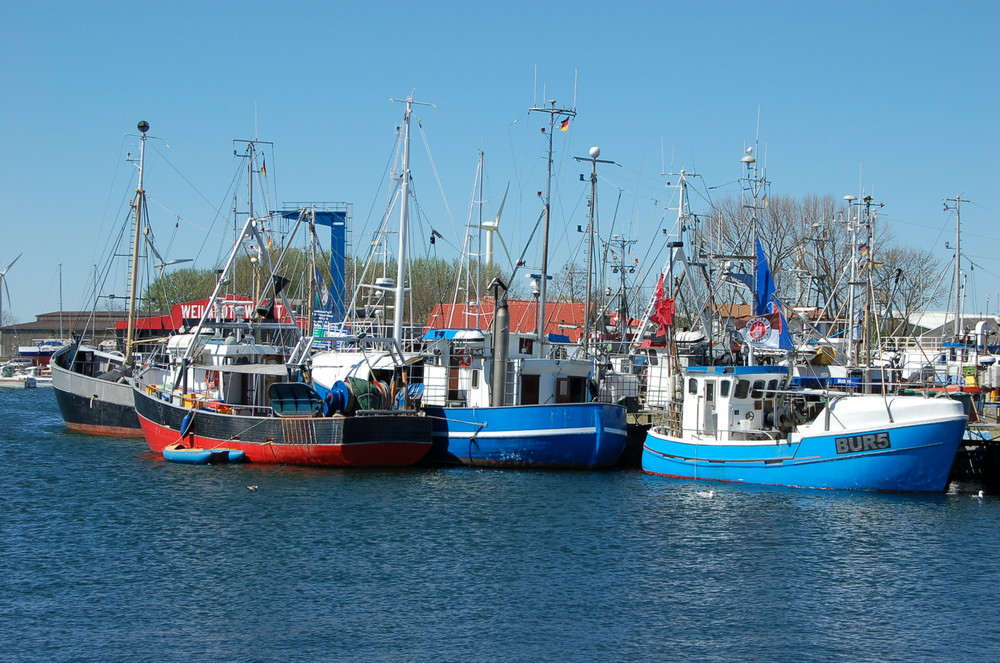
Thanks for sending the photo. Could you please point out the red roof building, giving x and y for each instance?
(565, 318)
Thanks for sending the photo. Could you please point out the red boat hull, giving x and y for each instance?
(370, 440)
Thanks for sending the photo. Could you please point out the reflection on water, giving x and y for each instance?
(111, 553)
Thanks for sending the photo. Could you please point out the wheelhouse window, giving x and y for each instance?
(571, 390)
(742, 388)
(529, 389)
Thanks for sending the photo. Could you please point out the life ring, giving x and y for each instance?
(464, 360)
(212, 379)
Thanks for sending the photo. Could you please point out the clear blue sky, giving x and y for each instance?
(898, 98)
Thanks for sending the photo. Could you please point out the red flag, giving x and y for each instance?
(565, 125)
(663, 309)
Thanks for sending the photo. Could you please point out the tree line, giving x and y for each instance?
(810, 244)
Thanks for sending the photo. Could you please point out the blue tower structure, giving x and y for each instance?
(336, 220)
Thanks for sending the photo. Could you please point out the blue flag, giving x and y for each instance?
(766, 302)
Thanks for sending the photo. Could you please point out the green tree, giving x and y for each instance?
(175, 287)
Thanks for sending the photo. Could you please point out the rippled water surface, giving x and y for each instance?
(109, 553)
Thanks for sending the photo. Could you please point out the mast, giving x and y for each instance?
(859, 340)
(866, 337)
(674, 253)
(595, 152)
(481, 176)
(754, 184)
(567, 114)
(958, 200)
(311, 295)
(140, 201)
(852, 282)
(60, 303)
(251, 157)
(619, 247)
(404, 219)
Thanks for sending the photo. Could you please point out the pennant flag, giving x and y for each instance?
(565, 125)
(263, 167)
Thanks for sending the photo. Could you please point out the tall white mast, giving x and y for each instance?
(595, 152)
(567, 113)
(852, 282)
(404, 220)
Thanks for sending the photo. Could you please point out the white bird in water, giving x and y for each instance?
(980, 495)
(252, 489)
(706, 493)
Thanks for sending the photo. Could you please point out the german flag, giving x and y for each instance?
(564, 126)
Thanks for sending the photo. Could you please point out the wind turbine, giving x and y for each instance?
(3, 285)
(161, 263)
(493, 226)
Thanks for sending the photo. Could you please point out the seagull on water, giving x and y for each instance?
(980, 495)
(706, 493)
(252, 489)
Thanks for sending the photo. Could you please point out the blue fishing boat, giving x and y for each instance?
(751, 424)
(745, 424)
(494, 404)
(502, 399)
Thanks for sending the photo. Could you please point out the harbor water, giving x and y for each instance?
(109, 553)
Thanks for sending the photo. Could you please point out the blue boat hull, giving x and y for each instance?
(572, 436)
(918, 458)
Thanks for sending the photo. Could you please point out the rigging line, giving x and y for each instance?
(390, 191)
(422, 220)
(375, 248)
(112, 188)
(174, 214)
(520, 260)
(510, 143)
(706, 198)
(719, 186)
(968, 256)
(634, 192)
(437, 176)
(101, 278)
(981, 268)
(183, 177)
(635, 199)
(219, 214)
(614, 216)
